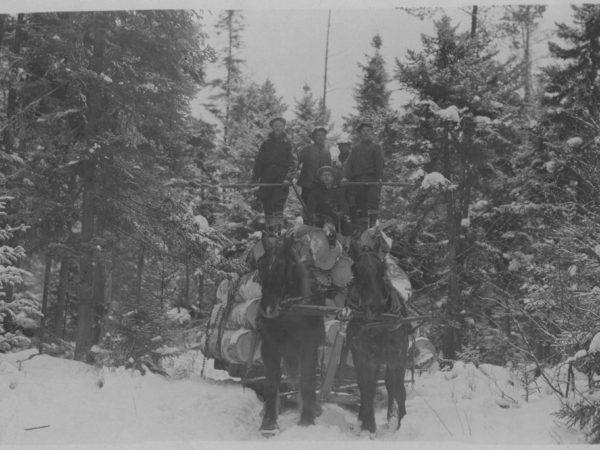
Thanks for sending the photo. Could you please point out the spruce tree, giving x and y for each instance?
(454, 146)
(308, 113)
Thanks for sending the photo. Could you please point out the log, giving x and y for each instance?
(425, 353)
(331, 330)
(324, 256)
(249, 288)
(235, 346)
(238, 345)
(215, 314)
(223, 290)
(397, 278)
(341, 272)
(244, 315)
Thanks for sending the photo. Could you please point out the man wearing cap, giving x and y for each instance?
(275, 162)
(312, 158)
(364, 164)
(327, 205)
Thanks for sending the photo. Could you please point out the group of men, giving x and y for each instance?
(344, 198)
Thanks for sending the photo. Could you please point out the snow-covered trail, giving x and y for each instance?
(78, 404)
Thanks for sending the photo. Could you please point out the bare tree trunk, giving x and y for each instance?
(47, 273)
(86, 266)
(474, 21)
(87, 309)
(228, 81)
(527, 64)
(61, 298)
(2, 21)
(324, 103)
(11, 103)
(141, 262)
(200, 291)
(99, 305)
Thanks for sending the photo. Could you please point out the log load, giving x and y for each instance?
(238, 298)
(236, 346)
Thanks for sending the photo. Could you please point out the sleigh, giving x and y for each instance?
(232, 340)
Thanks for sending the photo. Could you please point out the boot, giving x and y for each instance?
(277, 223)
(269, 224)
(372, 215)
(363, 223)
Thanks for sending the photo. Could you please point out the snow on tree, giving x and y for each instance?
(22, 314)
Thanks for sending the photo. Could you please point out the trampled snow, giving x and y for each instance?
(47, 401)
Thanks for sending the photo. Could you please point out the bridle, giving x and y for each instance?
(269, 268)
(369, 252)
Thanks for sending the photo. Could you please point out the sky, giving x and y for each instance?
(288, 45)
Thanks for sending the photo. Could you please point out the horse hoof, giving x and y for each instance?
(306, 421)
(269, 433)
(269, 427)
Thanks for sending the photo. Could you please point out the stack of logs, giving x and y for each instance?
(232, 330)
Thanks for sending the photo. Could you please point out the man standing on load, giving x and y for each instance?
(364, 164)
(275, 163)
(311, 159)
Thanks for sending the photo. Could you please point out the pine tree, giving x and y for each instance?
(519, 22)
(372, 95)
(308, 113)
(231, 23)
(456, 140)
(20, 314)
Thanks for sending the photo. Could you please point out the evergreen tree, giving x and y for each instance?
(519, 23)
(231, 23)
(456, 145)
(105, 123)
(308, 113)
(372, 95)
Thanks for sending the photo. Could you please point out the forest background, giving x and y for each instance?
(115, 234)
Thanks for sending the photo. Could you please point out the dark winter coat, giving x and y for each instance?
(364, 162)
(276, 161)
(329, 203)
(312, 158)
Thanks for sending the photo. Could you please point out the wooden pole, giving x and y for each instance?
(324, 103)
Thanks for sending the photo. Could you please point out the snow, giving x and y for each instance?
(419, 173)
(435, 180)
(483, 120)
(574, 142)
(595, 344)
(179, 315)
(450, 113)
(201, 223)
(550, 166)
(81, 405)
(465, 222)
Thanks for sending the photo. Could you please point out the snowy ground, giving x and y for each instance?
(81, 405)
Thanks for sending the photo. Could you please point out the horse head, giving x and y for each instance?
(277, 273)
(369, 272)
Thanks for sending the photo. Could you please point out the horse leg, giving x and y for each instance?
(308, 381)
(390, 386)
(400, 390)
(272, 362)
(368, 388)
(360, 380)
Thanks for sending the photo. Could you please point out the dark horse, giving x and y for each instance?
(374, 342)
(287, 338)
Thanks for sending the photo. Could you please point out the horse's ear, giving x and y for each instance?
(266, 242)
